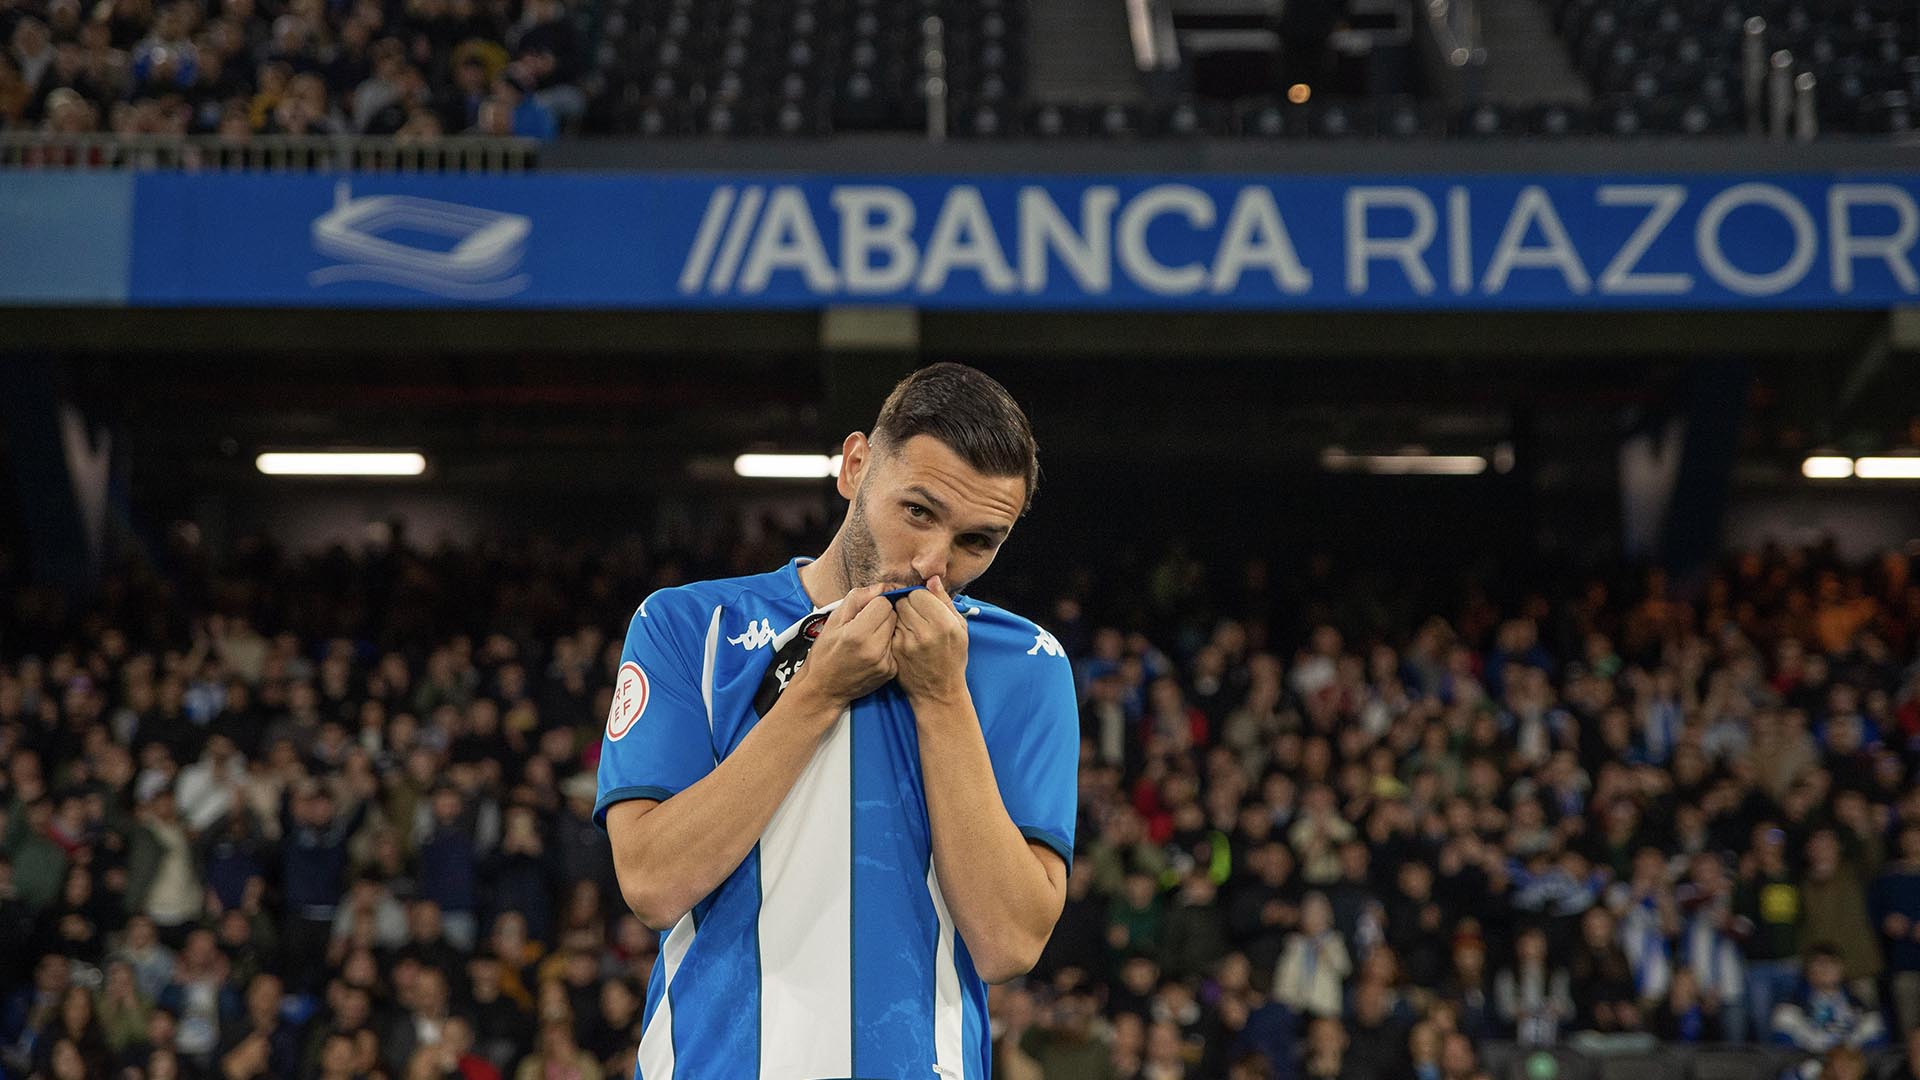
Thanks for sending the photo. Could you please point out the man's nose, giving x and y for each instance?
(931, 562)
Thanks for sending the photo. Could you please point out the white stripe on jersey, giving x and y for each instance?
(656, 1042)
(806, 920)
(706, 670)
(948, 1006)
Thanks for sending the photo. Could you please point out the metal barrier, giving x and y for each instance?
(271, 153)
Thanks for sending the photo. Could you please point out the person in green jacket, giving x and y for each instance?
(1833, 909)
(1064, 1042)
(39, 865)
(123, 1010)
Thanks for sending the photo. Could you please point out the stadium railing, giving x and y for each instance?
(1642, 1058)
(212, 153)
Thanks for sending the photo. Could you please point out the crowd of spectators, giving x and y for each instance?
(330, 816)
(416, 69)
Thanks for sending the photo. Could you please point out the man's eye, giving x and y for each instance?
(917, 511)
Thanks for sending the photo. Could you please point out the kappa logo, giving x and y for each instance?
(629, 701)
(756, 636)
(1044, 642)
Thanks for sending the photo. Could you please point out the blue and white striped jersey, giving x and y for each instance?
(829, 953)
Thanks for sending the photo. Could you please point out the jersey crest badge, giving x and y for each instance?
(629, 701)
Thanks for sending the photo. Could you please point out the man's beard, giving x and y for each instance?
(859, 554)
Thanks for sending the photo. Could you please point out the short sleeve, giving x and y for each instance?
(1033, 740)
(657, 741)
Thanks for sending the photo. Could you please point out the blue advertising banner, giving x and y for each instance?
(64, 237)
(759, 240)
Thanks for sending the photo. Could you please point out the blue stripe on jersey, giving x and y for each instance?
(976, 1038)
(720, 1005)
(656, 993)
(893, 986)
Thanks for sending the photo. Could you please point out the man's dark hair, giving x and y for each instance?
(970, 414)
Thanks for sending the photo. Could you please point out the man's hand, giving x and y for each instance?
(853, 656)
(930, 645)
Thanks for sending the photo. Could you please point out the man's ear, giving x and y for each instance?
(856, 453)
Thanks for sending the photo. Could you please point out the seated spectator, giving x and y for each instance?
(1843, 1063)
(1194, 935)
(1314, 964)
(1458, 1061)
(1378, 1038)
(559, 1058)
(456, 1053)
(1532, 998)
(1423, 1051)
(74, 1026)
(1708, 946)
(123, 1008)
(1907, 1067)
(1135, 915)
(1465, 988)
(1833, 888)
(1326, 1051)
(1767, 906)
(1604, 995)
(1895, 907)
(1685, 1016)
(459, 105)
(1825, 1014)
(1166, 1054)
(1064, 1042)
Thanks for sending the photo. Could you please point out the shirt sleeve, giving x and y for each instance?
(657, 740)
(1033, 739)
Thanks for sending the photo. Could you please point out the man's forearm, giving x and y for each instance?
(671, 856)
(997, 890)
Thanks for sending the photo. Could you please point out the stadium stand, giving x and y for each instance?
(240, 69)
(328, 816)
(430, 68)
(1682, 65)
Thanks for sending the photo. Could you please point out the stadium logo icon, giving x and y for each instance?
(478, 260)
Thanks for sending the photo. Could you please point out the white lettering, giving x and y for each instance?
(1256, 236)
(1407, 250)
(788, 240)
(1085, 254)
(736, 242)
(1459, 241)
(1891, 248)
(1663, 201)
(1534, 207)
(1139, 263)
(963, 237)
(1706, 238)
(704, 241)
(861, 237)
